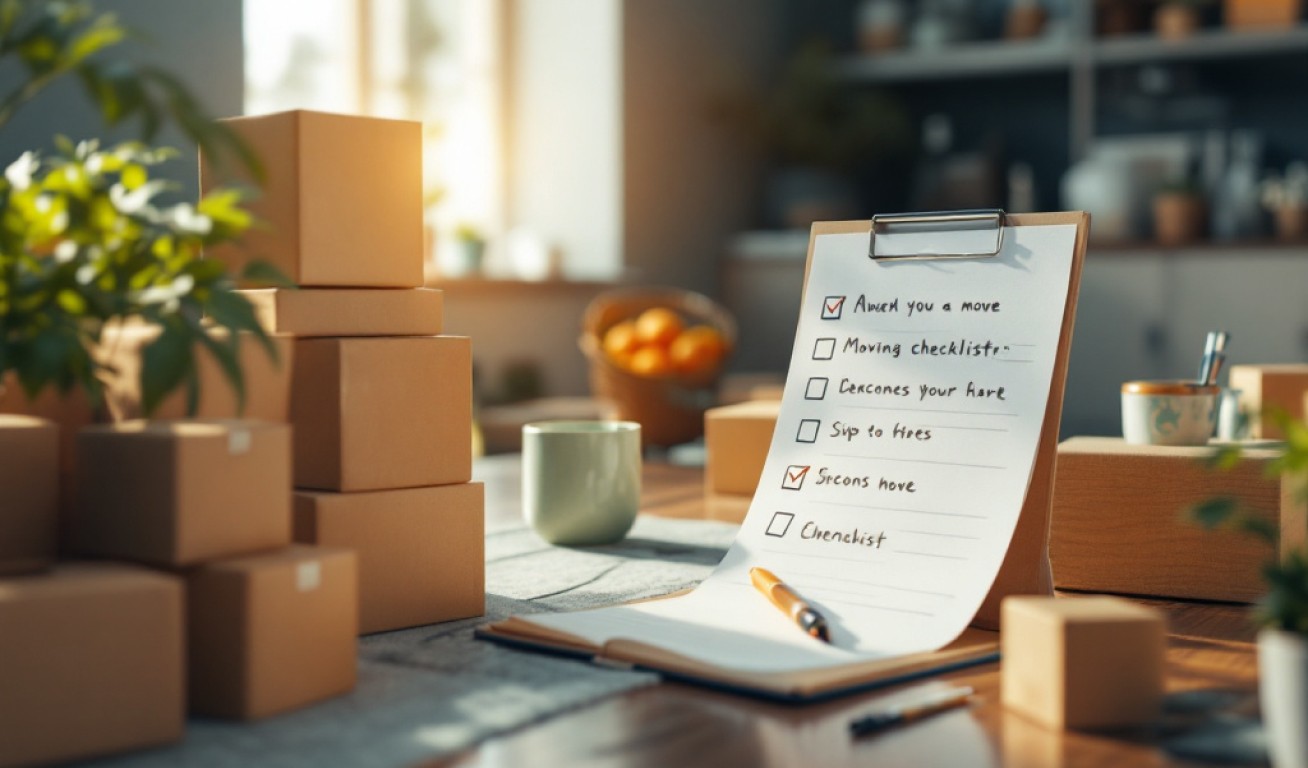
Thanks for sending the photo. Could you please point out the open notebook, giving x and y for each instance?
(909, 429)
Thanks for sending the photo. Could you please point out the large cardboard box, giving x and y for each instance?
(271, 632)
(1119, 520)
(379, 413)
(1267, 388)
(92, 662)
(267, 380)
(70, 411)
(1090, 662)
(179, 493)
(29, 493)
(349, 311)
(342, 202)
(736, 440)
(421, 550)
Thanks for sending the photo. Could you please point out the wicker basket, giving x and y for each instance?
(670, 408)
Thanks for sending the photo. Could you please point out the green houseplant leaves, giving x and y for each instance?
(86, 239)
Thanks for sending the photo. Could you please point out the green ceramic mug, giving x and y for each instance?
(581, 480)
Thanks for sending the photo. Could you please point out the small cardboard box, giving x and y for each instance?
(421, 550)
(179, 493)
(342, 202)
(737, 438)
(271, 632)
(1089, 662)
(349, 311)
(29, 489)
(380, 413)
(1119, 520)
(70, 411)
(92, 659)
(267, 381)
(1266, 388)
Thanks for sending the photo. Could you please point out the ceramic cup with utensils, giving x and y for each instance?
(1171, 412)
(581, 480)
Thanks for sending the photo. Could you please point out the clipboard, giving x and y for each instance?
(1025, 567)
(1025, 570)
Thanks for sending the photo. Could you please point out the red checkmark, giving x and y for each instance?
(793, 476)
(832, 307)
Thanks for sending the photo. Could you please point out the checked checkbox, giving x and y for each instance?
(808, 431)
(779, 524)
(795, 474)
(824, 349)
(817, 388)
(832, 307)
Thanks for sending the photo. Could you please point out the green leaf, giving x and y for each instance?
(226, 353)
(1214, 513)
(267, 275)
(165, 363)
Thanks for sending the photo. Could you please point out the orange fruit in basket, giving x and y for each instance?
(697, 350)
(650, 361)
(658, 326)
(620, 340)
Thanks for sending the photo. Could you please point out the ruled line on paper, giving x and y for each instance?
(911, 461)
(924, 410)
(927, 554)
(945, 535)
(824, 556)
(864, 582)
(898, 509)
(973, 429)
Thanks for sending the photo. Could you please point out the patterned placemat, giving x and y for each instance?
(433, 690)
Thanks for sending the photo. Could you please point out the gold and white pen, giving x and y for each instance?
(790, 603)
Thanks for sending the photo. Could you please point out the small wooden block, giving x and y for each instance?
(308, 312)
(1266, 388)
(1087, 662)
(736, 439)
(1120, 524)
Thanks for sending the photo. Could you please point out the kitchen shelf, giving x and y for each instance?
(969, 60)
(999, 58)
(1203, 46)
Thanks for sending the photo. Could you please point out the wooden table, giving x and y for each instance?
(674, 725)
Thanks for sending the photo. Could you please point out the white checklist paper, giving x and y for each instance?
(901, 458)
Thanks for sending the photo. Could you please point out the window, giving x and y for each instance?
(437, 61)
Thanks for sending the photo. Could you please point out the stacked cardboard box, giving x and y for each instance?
(381, 403)
(211, 502)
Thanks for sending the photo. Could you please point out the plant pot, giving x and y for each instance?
(1292, 222)
(1179, 218)
(1175, 21)
(1261, 14)
(1283, 694)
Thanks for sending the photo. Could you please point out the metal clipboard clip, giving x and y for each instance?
(989, 218)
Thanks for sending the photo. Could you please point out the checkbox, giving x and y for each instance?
(817, 388)
(794, 479)
(808, 431)
(779, 524)
(832, 306)
(824, 349)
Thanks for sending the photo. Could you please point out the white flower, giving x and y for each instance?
(187, 220)
(19, 173)
(65, 252)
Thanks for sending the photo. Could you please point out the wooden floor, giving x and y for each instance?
(1210, 658)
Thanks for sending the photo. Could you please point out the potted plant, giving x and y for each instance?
(87, 239)
(1287, 199)
(821, 137)
(1282, 614)
(90, 239)
(1178, 19)
(1180, 213)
